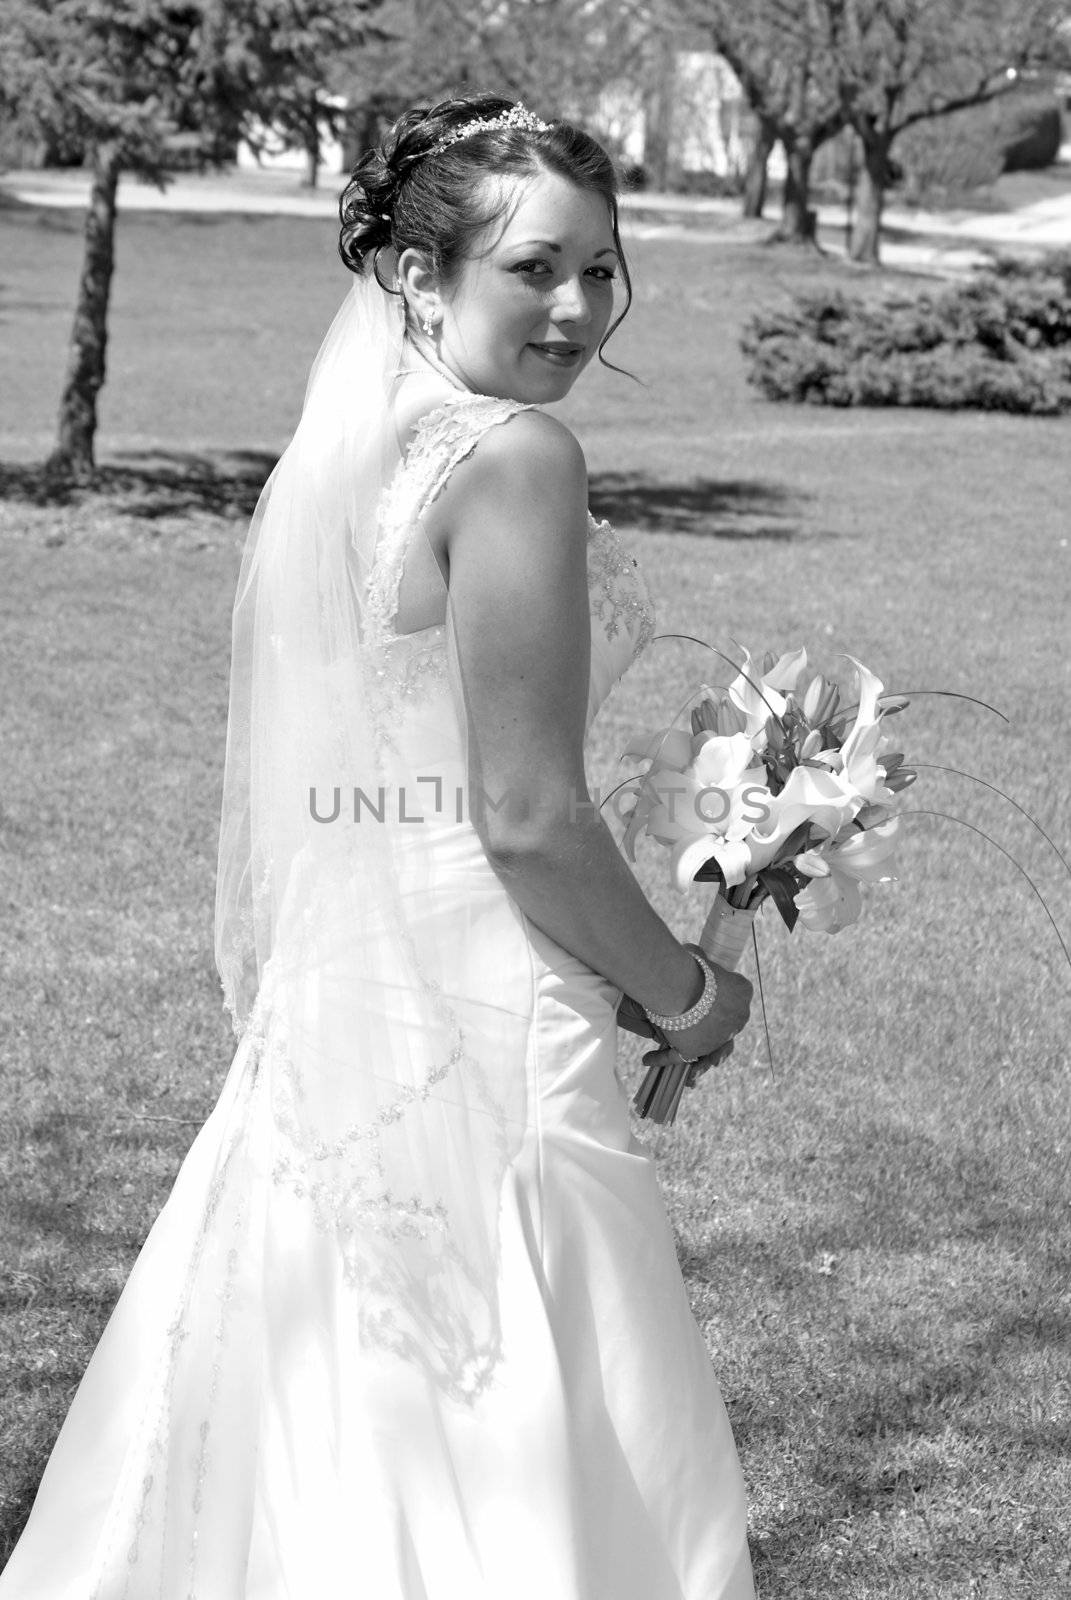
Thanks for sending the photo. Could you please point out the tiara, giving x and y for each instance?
(518, 116)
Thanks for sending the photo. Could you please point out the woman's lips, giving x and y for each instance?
(561, 355)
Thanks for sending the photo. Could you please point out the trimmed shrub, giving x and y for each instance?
(1033, 135)
(1000, 342)
(950, 156)
(970, 149)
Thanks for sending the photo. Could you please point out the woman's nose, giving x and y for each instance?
(571, 303)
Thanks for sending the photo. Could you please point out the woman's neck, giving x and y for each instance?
(432, 362)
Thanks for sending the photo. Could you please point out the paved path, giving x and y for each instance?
(946, 243)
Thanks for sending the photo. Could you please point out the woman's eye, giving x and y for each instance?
(539, 268)
(604, 274)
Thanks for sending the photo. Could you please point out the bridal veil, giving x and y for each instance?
(388, 1118)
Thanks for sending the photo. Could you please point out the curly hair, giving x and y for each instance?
(408, 194)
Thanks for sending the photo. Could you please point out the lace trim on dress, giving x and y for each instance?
(442, 438)
(405, 666)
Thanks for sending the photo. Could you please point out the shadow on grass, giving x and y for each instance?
(151, 484)
(712, 508)
(161, 483)
(52, 219)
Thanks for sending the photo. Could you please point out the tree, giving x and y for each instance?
(558, 56)
(121, 79)
(659, 105)
(296, 55)
(777, 53)
(763, 143)
(900, 62)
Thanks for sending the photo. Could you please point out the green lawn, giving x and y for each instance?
(875, 1235)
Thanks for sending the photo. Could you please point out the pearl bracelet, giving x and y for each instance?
(696, 1013)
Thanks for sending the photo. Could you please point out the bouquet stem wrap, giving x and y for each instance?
(725, 933)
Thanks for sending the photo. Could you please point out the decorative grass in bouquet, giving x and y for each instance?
(783, 789)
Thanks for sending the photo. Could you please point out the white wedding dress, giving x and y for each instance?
(254, 1425)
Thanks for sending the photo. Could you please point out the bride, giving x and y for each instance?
(411, 1325)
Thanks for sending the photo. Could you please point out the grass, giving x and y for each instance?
(875, 1234)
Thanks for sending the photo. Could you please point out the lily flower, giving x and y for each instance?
(669, 750)
(810, 795)
(832, 900)
(858, 762)
(758, 697)
(698, 793)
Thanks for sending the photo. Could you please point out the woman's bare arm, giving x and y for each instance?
(513, 521)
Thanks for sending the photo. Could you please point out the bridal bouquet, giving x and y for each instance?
(784, 789)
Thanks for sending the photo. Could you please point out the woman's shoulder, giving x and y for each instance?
(489, 443)
(512, 441)
(503, 483)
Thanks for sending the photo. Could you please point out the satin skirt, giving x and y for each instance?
(256, 1449)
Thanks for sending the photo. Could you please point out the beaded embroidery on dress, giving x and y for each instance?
(319, 1383)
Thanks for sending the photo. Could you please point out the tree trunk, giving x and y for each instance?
(799, 224)
(312, 146)
(658, 119)
(73, 455)
(873, 183)
(758, 162)
(362, 131)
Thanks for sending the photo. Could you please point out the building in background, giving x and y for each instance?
(687, 126)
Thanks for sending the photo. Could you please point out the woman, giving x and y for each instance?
(411, 1325)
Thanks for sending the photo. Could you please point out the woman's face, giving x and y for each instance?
(528, 309)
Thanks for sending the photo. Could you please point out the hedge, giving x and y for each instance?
(999, 342)
(950, 156)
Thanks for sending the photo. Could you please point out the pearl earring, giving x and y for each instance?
(428, 326)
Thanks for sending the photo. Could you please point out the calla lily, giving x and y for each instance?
(810, 795)
(869, 691)
(764, 695)
(858, 767)
(867, 715)
(858, 761)
(862, 770)
(832, 900)
(787, 671)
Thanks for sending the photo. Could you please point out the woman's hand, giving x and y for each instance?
(724, 1021)
(633, 1018)
(705, 1042)
(666, 1056)
(709, 1042)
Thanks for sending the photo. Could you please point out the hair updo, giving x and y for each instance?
(403, 196)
